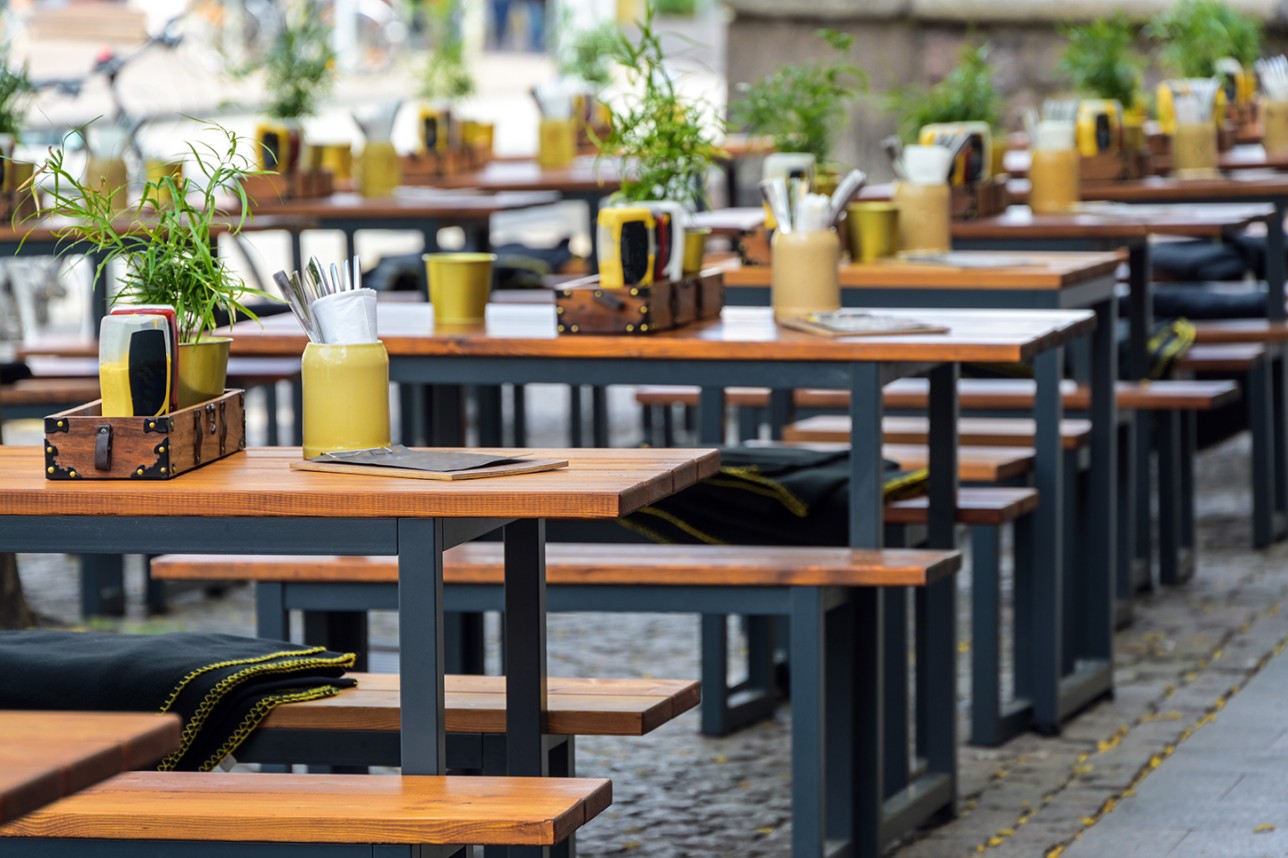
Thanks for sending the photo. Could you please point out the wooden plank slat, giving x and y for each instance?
(597, 484)
(739, 334)
(359, 809)
(576, 707)
(971, 431)
(588, 563)
(47, 755)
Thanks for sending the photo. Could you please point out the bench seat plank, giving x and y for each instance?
(1222, 357)
(575, 563)
(974, 393)
(316, 808)
(476, 704)
(983, 431)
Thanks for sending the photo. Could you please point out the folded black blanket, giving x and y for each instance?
(222, 686)
(767, 496)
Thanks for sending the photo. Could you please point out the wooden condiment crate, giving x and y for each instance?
(982, 199)
(423, 167)
(82, 444)
(302, 185)
(583, 307)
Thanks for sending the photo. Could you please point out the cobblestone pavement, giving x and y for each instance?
(677, 793)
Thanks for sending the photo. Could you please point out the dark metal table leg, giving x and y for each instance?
(420, 644)
(525, 646)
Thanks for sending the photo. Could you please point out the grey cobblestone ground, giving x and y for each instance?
(677, 793)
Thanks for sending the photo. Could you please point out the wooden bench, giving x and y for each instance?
(659, 577)
(203, 815)
(827, 594)
(358, 727)
(1252, 364)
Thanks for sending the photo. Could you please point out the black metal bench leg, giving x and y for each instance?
(1170, 498)
(813, 750)
(936, 633)
(1258, 390)
(1189, 447)
(1130, 571)
(895, 695)
(465, 642)
(102, 579)
(715, 674)
(985, 632)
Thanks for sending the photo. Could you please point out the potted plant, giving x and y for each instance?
(802, 107)
(1205, 39)
(168, 247)
(446, 76)
(664, 140)
(967, 94)
(1101, 60)
(1197, 34)
(583, 56)
(299, 69)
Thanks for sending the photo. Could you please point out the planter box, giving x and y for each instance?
(80, 444)
(582, 307)
(982, 199)
(423, 167)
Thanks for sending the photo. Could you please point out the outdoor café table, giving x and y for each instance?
(423, 210)
(1199, 194)
(45, 756)
(253, 503)
(1128, 227)
(519, 344)
(1245, 156)
(585, 180)
(1031, 280)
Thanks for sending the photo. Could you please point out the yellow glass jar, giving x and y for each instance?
(1274, 125)
(346, 397)
(1194, 152)
(556, 143)
(1054, 177)
(804, 277)
(925, 216)
(379, 170)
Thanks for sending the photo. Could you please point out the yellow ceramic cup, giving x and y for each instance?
(158, 170)
(872, 230)
(556, 143)
(346, 397)
(695, 248)
(459, 286)
(338, 158)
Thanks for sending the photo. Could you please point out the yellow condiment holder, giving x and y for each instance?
(346, 397)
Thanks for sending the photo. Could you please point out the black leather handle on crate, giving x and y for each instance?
(103, 447)
(196, 436)
(223, 428)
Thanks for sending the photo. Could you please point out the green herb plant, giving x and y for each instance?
(299, 68)
(967, 94)
(677, 7)
(661, 137)
(1101, 59)
(15, 93)
(585, 54)
(167, 241)
(1194, 34)
(446, 76)
(802, 106)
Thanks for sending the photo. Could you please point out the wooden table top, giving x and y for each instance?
(58, 229)
(1247, 156)
(1162, 189)
(410, 203)
(596, 484)
(1024, 270)
(45, 756)
(584, 175)
(740, 334)
(1115, 222)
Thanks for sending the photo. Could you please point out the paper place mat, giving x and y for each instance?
(400, 461)
(968, 260)
(852, 323)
